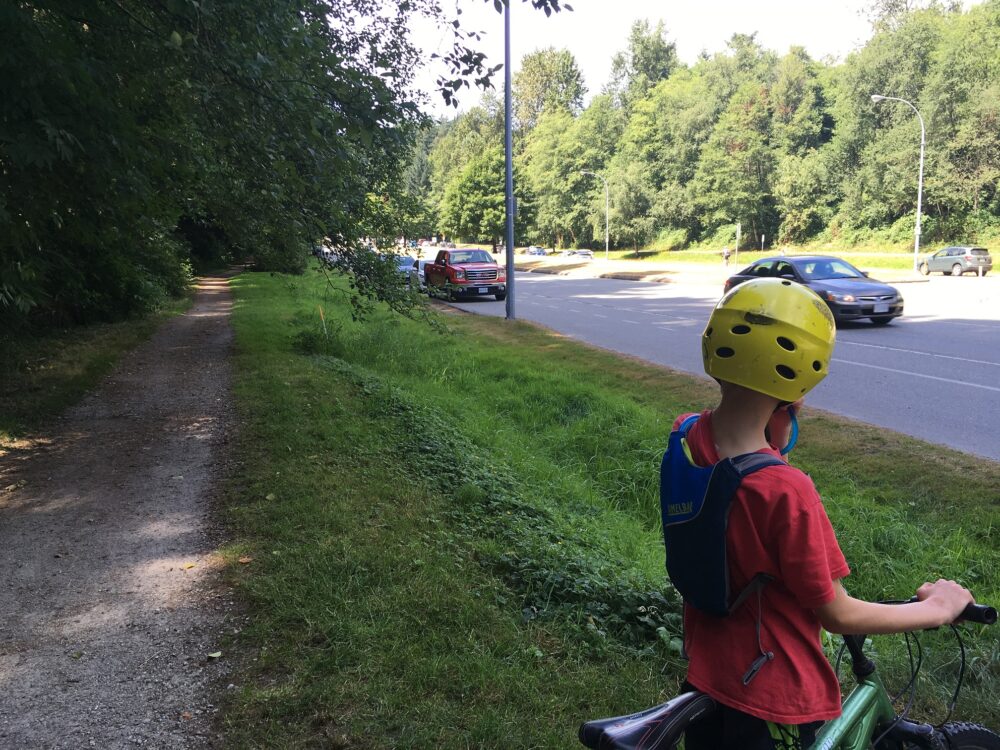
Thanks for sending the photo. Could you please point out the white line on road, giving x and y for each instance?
(633, 322)
(923, 354)
(919, 375)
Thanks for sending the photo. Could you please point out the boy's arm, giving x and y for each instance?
(940, 603)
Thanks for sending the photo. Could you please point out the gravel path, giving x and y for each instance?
(110, 608)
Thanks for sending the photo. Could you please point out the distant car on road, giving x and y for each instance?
(416, 277)
(954, 261)
(848, 292)
(535, 250)
(584, 254)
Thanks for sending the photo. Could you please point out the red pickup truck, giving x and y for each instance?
(466, 273)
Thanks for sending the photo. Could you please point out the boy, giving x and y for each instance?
(767, 343)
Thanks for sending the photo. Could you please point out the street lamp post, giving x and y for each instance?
(508, 144)
(607, 208)
(876, 98)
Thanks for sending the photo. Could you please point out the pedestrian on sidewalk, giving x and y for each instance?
(725, 256)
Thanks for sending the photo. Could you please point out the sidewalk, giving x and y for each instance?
(665, 272)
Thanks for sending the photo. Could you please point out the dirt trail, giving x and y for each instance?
(109, 607)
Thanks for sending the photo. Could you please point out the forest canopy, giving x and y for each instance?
(791, 148)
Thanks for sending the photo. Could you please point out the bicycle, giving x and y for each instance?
(868, 719)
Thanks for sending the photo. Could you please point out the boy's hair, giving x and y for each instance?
(774, 336)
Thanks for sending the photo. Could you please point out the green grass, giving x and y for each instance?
(43, 373)
(454, 537)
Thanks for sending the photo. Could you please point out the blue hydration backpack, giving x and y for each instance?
(694, 505)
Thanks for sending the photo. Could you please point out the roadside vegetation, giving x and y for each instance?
(450, 539)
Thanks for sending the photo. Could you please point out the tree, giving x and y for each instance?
(459, 142)
(737, 164)
(648, 59)
(473, 204)
(548, 80)
(135, 137)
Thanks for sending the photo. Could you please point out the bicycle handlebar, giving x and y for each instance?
(981, 613)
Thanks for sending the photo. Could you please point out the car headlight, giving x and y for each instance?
(833, 297)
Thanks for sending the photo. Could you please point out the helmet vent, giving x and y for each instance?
(708, 331)
(787, 344)
(741, 329)
(785, 371)
(725, 352)
(817, 365)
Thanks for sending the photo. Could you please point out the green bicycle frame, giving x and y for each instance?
(865, 709)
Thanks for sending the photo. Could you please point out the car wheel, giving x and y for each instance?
(882, 320)
(501, 297)
(956, 270)
(924, 269)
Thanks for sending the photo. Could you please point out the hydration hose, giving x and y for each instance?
(794, 436)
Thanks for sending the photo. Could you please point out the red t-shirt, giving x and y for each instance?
(778, 526)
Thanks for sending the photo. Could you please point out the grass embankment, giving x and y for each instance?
(44, 372)
(454, 536)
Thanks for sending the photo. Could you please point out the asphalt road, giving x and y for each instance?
(933, 374)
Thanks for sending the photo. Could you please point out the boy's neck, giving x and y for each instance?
(739, 421)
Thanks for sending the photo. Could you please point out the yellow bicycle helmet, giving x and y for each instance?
(772, 335)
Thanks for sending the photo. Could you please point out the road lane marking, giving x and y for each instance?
(923, 354)
(918, 375)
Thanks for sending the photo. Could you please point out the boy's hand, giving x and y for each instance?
(951, 598)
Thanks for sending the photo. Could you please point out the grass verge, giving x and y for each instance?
(454, 537)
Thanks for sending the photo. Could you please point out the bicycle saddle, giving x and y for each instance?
(656, 728)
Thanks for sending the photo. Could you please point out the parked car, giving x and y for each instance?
(848, 292)
(466, 273)
(954, 261)
(416, 278)
(535, 250)
(403, 264)
(584, 254)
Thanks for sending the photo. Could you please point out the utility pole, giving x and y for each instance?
(509, 167)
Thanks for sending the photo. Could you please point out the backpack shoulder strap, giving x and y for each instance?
(748, 463)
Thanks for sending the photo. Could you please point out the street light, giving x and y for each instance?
(876, 98)
(607, 208)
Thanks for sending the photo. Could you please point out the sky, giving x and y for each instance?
(596, 29)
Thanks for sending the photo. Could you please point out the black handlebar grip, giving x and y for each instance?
(980, 613)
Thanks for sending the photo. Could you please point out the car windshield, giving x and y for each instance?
(471, 256)
(827, 268)
(404, 262)
(980, 251)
